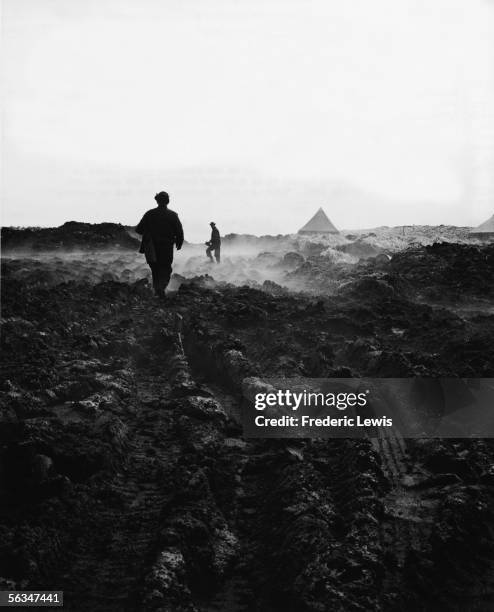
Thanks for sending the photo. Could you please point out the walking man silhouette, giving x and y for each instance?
(161, 229)
(214, 243)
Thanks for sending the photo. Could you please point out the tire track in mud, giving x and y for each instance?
(114, 550)
(118, 545)
(408, 513)
(412, 533)
(221, 369)
(237, 592)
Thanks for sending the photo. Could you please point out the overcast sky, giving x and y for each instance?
(252, 113)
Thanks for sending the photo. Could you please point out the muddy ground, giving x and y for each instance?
(124, 477)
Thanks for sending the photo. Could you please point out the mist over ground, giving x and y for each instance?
(102, 252)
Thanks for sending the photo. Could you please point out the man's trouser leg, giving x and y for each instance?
(154, 272)
(164, 259)
(217, 254)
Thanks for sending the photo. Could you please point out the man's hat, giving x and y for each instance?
(212, 223)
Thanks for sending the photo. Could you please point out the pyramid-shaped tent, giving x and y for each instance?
(319, 224)
(484, 230)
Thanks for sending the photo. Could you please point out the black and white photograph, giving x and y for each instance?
(247, 305)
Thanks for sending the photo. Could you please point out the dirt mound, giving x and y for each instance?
(72, 235)
(445, 271)
(361, 249)
(394, 239)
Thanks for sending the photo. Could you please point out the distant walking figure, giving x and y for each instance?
(160, 229)
(214, 244)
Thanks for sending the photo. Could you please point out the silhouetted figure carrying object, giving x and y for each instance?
(214, 243)
(160, 229)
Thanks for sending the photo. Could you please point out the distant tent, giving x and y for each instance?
(319, 224)
(485, 230)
